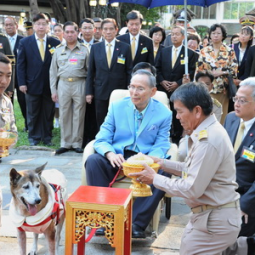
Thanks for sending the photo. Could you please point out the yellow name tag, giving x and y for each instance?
(121, 60)
(144, 50)
(184, 174)
(52, 50)
(248, 154)
(182, 62)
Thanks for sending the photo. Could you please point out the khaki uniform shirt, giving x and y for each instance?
(7, 115)
(68, 63)
(208, 173)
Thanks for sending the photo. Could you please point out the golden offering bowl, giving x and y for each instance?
(138, 189)
(6, 140)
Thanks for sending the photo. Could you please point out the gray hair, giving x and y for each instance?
(151, 77)
(181, 28)
(251, 83)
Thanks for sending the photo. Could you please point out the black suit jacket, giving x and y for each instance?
(245, 170)
(165, 70)
(15, 51)
(250, 63)
(31, 70)
(161, 47)
(102, 80)
(241, 66)
(144, 51)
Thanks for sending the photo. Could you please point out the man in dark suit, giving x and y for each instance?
(240, 126)
(141, 46)
(11, 27)
(110, 67)
(34, 59)
(170, 70)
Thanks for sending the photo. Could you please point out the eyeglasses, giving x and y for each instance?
(41, 24)
(138, 89)
(240, 100)
(87, 28)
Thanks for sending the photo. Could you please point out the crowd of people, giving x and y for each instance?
(71, 76)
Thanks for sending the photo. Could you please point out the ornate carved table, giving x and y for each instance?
(97, 207)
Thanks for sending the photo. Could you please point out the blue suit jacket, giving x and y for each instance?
(31, 70)
(245, 170)
(118, 129)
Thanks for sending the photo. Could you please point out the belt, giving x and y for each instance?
(72, 79)
(202, 208)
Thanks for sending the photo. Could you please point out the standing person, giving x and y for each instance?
(170, 70)
(221, 61)
(141, 45)
(240, 126)
(11, 28)
(28, 25)
(117, 140)
(208, 175)
(67, 81)
(98, 29)
(110, 67)
(5, 48)
(34, 59)
(158, 35)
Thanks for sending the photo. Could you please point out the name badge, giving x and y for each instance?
(184, 174)
(52, 50)
(5, 110)
(182, 62)
(248, 154)
(73, 61)
(121, 60)
(144, 50)
(1, 46)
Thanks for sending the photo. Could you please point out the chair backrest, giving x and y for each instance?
(121, 93)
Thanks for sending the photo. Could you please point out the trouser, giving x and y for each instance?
(99, 172)
(40, 115)
(72, 106)
(211, 232)
(22, 104)
(224, 100)
(101, 111)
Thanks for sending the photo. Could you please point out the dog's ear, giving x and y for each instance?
(14, 177)
(39, 170)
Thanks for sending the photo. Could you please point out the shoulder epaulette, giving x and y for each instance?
(1, 34)
(202, 135)
(60, 45)
(216, 102)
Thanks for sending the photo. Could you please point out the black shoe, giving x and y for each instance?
(48, 143)
(61, 150)
(251, 245)
(100, 232)
(78, 150)
(137, 232)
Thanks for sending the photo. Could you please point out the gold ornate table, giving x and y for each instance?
(97, 207)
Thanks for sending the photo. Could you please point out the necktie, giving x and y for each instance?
(133, 48)
(239, 137)
(12, 42)
(139, 119)
(174, 57)
(109, 55)
(41, 49)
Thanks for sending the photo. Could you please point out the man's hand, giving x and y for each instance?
(23, 89)
(245, 217)
(146, 176)
(89, 99)
(116, 160)
(236, 82)
(166, 85)
(54, 97)
(173, 85)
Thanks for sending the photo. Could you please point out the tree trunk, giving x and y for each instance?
(34, 7)
(58, 11)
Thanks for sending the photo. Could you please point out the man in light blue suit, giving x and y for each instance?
(134, 124)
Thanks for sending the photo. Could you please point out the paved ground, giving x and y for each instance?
(169, 236)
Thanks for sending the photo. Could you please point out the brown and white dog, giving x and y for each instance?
(38, 206)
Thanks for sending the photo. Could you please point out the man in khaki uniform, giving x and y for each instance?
(208, 175)
(67, 80)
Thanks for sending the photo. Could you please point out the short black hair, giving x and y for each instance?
(134, 15)
(97, 19)
(58, 25)
(248, 30)
(195, 37)
(223, 30)
(70, 23)
(87, 20)
(194, 94)
(40, 15)
(158, 29)
(144, 65)
(205, 73)
(4, 59)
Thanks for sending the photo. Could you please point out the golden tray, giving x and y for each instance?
(6, 140)
(138, 189)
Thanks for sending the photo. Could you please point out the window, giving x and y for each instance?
(237, 8)
(204, 13)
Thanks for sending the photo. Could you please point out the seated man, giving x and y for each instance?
(134, 124)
